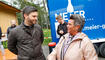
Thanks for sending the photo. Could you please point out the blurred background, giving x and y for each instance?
(11, 10)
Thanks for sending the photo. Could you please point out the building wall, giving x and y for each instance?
(5, 17)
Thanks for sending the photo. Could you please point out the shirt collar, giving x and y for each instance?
(28, 26)
(79, 35)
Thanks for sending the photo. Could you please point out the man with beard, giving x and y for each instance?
(26, 39)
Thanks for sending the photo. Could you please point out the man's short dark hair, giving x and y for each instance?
(28, 9)
(78, 20)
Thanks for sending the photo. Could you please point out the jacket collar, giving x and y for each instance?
(63, 23)
(25, 27)
(78, 36)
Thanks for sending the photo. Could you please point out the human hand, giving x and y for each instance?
(61, 31)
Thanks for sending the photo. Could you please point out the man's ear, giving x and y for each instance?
(25, 15)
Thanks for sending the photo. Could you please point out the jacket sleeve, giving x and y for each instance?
(41, 32)
(89, 51)
(12, 42)
(0, 33)
(42, 36)
(53, 54)
(58, 29)
(7, 31)
(65, 28)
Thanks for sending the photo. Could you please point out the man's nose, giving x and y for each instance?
(36, 18)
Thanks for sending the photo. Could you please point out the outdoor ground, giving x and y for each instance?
(8, 55)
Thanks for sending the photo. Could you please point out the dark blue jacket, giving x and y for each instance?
(0, 33)
(9, 29)
(62, 27)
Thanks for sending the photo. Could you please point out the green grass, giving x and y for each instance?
(47, 36)
(4, 44)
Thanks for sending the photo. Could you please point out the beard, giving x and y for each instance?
(31, 22)
(34, 21)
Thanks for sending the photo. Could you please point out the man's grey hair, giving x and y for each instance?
(78, 20)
